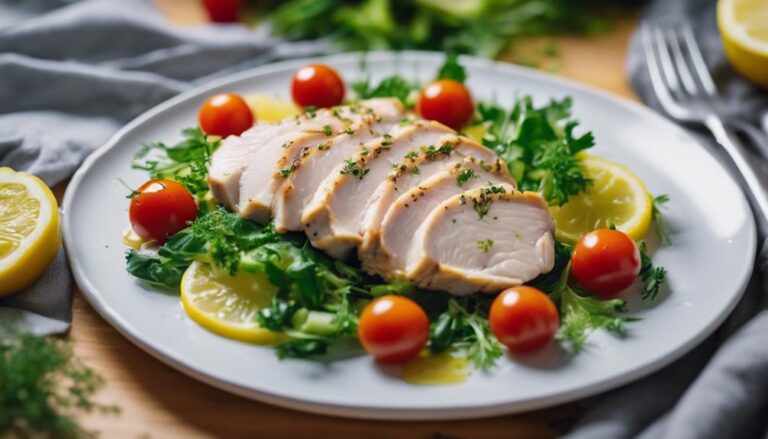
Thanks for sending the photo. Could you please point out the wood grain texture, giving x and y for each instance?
(159, 402)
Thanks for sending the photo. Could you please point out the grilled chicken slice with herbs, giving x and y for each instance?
(317, 164)
(334, 216)
(263, 176)
(484, 239)
(414, 168)
(388, 253)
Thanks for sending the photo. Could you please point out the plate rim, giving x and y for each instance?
(364, 412)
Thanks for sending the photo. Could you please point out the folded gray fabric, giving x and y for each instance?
(73, 72)
(720, 390)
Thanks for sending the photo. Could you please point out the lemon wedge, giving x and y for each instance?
(617, 196)
(228, 305)
(744, 30)
(29, 229)
(271, 109)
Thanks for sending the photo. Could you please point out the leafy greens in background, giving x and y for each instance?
(481, 27)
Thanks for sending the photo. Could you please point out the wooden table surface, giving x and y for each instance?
(157, 401)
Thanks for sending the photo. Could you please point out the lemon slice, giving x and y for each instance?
(29, 229)
(271, 109)
(228, 305)
(744, 29)
(617, 196)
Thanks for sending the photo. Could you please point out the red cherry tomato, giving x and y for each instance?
(317, 85)
(393, 329)
(524, 319)
(160, 209)
(605, 262)
(223, 11)
(446, 101)
(225, 114)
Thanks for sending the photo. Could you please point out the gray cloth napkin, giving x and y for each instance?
(719, 390)
(73, 72)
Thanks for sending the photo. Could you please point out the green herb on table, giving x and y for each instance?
(43, 386)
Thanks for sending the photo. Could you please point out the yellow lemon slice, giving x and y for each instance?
(271, 109)
(744, 29)
(617, 196)
(228, 305)
(29, 229)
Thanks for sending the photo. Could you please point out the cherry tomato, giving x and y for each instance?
(446, 101)
(160, 209)
(605, 262)
(524, 319)
(223, 11)
(225, 114)
(393, 329)
(317, 85)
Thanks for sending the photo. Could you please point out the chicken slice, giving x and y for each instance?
(333, 218)
(416, 167)
(311, 169)
(264, 175)
(388, 253)
(229, 160)
(485, 240)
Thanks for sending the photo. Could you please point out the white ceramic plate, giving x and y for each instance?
(709, 264)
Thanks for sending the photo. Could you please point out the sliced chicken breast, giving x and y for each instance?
(234, 153)
(277, 157)
(388, 253)
(485, 240)
(334, 216)
(317, 164)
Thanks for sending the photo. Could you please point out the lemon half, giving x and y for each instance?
(29, 229)
(744, 30)
(228, 305)
(617, 197)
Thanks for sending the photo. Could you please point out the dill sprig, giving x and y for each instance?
(43, 386)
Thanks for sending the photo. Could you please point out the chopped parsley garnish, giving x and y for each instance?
(415, 170)
(653, 277)
(464, 176)
(327, 130)
(482, 202)
(432, 151)
(352, 168)
(485, 244)
(412, 155)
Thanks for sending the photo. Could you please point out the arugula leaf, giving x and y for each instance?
(163, 273)
(186, 162)
(459, 327)
(451, 69)
(580, 314)
(539, 146)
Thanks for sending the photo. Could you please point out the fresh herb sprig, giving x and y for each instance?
(43, 386)
(186, 162)
(539, 146)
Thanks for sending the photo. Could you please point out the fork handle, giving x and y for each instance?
(758, 186)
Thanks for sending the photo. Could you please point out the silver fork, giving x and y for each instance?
(686, 91)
